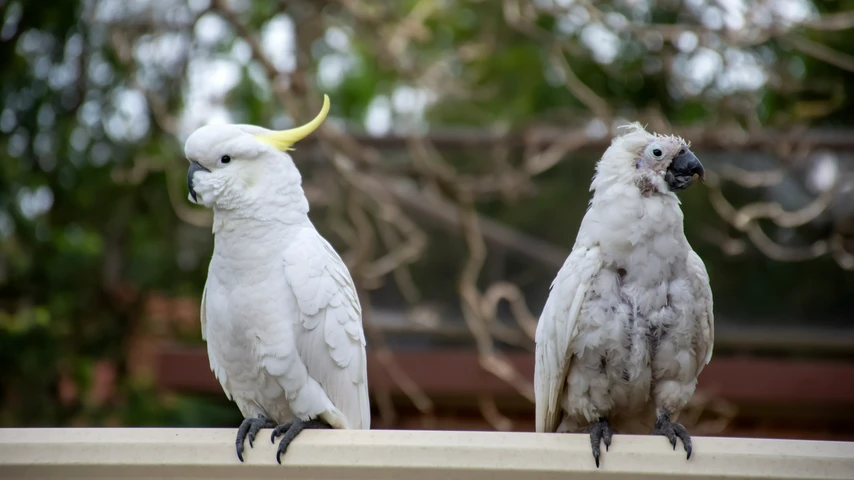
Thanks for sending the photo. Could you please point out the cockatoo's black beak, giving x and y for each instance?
(194, 167)
(682, 170)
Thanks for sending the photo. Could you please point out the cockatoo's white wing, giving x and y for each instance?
(704, 315)
(218, 371)
(202, 315)
(332, 345)
(556, 330)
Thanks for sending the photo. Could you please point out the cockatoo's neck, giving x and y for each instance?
(225, 221)
(285, 205)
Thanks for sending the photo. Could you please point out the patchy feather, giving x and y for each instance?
(628, 325)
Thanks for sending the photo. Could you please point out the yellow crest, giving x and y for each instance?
(285, 139)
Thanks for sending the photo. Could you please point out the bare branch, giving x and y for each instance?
(582, 92)
(778, 252)
(441, 213)
(833, 21)
(749, 179)
(821, 52)
(507, 291)
(774, 211)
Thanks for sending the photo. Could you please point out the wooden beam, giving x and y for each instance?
(457, 372)
(205, 453)
(731, 334)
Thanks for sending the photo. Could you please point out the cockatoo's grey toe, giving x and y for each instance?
(249, 428)
(673, 430)
(600, 432)
(289, 432)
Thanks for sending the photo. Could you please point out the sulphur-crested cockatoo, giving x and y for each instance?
(628, 326)
(279, 311)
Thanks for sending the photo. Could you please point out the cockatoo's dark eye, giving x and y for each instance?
(225, 159)
(654, 151)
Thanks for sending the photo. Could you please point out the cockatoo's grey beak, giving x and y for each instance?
(682, 170)
(194, 167)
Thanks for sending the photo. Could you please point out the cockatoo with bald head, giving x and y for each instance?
(279, 311)
(628, 325)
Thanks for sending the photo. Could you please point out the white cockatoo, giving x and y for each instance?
(628, 325)
(279, 311)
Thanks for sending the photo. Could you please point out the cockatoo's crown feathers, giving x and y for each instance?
(636, 128)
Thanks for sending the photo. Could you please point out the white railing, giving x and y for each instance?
(191, 453)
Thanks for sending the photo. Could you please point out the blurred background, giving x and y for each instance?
(451, 174)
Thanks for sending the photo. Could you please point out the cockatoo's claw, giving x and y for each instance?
(600, 431)
(279, 431)
(248, 429)
(673, 430)
(291, 430)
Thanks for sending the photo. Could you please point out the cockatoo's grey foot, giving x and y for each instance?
(672, 430)
(249, 428)
(600, 431)
(289, 432)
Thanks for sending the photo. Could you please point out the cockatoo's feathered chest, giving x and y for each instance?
(639, 233)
